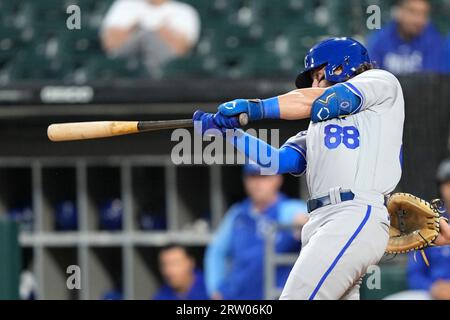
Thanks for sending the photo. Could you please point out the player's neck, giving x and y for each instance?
(261, 206)
(187, 285)
(407, 37)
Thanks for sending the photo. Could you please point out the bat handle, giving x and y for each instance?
(243, 119)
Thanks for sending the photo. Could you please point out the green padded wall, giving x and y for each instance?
(10, 260)
(393, 280)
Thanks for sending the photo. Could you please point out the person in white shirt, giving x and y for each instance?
(158, 31)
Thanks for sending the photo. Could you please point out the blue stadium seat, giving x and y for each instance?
(261, 37)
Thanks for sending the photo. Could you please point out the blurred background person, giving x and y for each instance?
(182, 280)
(156, 31)
(116, 293)
(431, 282)
(434, 281)
(410, 43)
(234, 262)
(448, 53)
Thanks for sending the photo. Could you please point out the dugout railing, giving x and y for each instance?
(273, 259)
(193, 200)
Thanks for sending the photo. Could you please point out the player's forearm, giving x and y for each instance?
(297, 104)
(294, 105)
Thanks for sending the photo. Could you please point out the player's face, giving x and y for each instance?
(413, 17)
(262, 189)
(318, 78)
(445, 193)
(176, 267)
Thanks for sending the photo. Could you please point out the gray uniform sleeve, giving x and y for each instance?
(298, 143)
(377, 89)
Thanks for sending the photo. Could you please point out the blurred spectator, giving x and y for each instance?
(183, 281)
(156, 31)
(234, 262)
(114, 294)
(410, 43)
(448, 53)
(443, 178)
(434, 281)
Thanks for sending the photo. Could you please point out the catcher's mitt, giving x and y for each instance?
(414, 223)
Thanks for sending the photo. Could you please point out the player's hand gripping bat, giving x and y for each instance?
(104, 129)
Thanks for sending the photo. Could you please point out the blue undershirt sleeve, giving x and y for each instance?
(271, 160)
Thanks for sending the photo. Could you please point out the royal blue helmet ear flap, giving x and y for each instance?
(343, 54)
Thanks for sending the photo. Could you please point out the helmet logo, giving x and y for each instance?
(338, 71)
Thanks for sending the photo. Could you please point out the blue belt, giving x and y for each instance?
(314, 204)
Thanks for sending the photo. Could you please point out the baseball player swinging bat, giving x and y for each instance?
(103, 129)
(351, 155)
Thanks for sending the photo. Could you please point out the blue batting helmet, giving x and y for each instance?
(346, 53)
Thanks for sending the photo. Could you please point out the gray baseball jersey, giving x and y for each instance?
(361, 152)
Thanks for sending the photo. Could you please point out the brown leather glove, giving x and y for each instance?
(414, 223)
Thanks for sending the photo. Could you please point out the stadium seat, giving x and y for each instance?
(279, 34)
(191, 67)
(24, 68)
(102, 68)
(44, 15)
(77, 42)
(10, 41)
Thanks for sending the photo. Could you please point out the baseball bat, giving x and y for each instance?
(103, 129)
